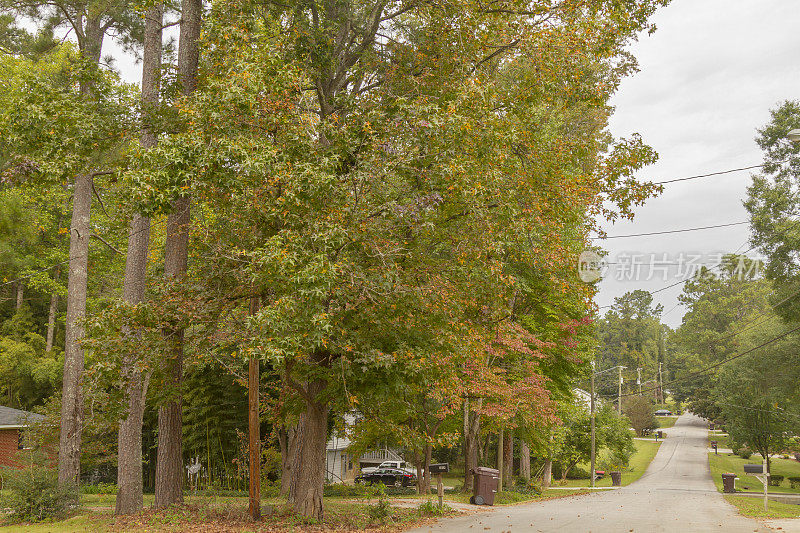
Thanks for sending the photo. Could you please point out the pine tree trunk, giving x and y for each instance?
(51, 322)
(308, 466)
(69, 448)
(508, 458)
(547, 475)
(129, 439)
(20, 295)
(169, 469)
(524, 460)
(472, 427)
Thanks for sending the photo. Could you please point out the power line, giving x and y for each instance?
(716, 365)
(671, 231)
(716, 173)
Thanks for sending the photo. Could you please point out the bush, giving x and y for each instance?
(33, 495)
(428, 508)
(341, 490)
(775, 480)
(794, 481)
(382, 510)
(99, 488)
(744, 452)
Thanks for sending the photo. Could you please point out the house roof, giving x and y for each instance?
(14, 418)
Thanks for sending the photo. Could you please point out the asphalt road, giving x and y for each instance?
(675, 494)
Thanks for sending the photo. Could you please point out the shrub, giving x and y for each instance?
(382, 510)
(428, 508)
(341, 490)
(775, 480)
(33, 495)
(744, 452)
(99, 488)
(794, 481)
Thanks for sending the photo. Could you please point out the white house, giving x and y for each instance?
(341, 466)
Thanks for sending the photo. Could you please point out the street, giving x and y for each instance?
(675, 494)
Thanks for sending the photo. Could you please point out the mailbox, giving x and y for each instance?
(439, 468)
(753, 469)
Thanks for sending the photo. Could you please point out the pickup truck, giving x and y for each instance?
(402, 465)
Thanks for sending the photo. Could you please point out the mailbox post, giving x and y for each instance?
(714, 445)
(438, 469)
(760, 471)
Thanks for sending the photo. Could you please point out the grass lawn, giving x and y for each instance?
(230, 514)
(733, 463)
(666, 421)
(75, 524)
(645, 451)
(754, 507)
(722, 440)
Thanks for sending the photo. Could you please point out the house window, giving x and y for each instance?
(20, 440)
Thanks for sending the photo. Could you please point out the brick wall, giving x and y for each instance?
(9, 445)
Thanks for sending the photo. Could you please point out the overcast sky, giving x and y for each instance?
(708, 78)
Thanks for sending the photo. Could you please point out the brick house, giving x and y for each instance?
(12, 425)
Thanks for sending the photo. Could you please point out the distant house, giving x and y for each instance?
(341, 466)
(13, 423)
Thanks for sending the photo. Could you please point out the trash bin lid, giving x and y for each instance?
(486, 471)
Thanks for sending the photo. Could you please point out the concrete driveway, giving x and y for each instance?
(675, 494)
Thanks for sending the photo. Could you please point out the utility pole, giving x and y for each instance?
(639, 379)
(660, 383)
(591, 403)
(619, 396)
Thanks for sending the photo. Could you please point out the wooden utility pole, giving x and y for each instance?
(591, 404)
(500, 448)
(660, 384)
(619, 394)
(254, 428)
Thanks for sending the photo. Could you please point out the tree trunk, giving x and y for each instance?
(169, 470)
(426, 482)
(524, 460)
(547, 474)
(472, 426)
(508, 458)
(20, 295)
(500, 456)
(254, 430)
(129, 439)
(51, 322)
(308, 465)
(69, 448)
(288, 443)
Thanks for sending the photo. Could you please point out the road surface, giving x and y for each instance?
(675, 494)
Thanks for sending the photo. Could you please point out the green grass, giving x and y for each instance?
(75, 524)
(666, 421)
(754, 507)
(722, 440)
(645, 451)
(732, 463)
